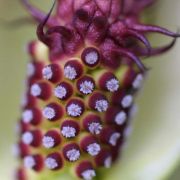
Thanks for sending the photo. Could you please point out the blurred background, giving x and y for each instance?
(153, 151)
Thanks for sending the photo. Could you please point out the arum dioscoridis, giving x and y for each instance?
(85, 70)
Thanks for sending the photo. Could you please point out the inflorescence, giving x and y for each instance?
(80, 99)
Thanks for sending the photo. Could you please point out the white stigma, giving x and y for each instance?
(133, 111)
(93, 149)
(30, 69)
(60, 92)
(29, 162)
(70, 72)
(17, 128)
(48, 142)
(15, 150)
(68, 132)
(95, 128)
(112, 85)
(47, 72)
(74, 110)
(24, 100)
(138, 81)
(27, 116)
(101, 105)
(73, 154)
(120, 118)
(51, 163)
(88, 174)
(49, 113)
(27, 138)
(91, 58)
(127, 131)
(86, 87)
(113, 139)
(35, 90)
(108, 162)
(127, 101)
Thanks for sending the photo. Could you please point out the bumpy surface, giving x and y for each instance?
(82, 79)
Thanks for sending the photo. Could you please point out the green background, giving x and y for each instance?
(153, 151)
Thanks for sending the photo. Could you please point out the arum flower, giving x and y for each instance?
(85, 71)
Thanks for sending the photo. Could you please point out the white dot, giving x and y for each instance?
(17, 128)
(91, 57)
(30, 69)
(47, 72)
(73, 155)
(95, 128)
(138, 81)
(60, 92)
(108, 162)
(35, 90)
(114, 138)
(120, 118)
(127, 131)
(88, 174)
(29, 162)
(15, 150)
(127, 101)
(68, 132)
(49, 113)
(27, 138)
(27, 116)
(93, 149)
(101, 105)
(86, 87)
(51, 163)
(133, 111)
(74, 110)
(24, 99)
(112, 85)
(70, 72)
(48, 142)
